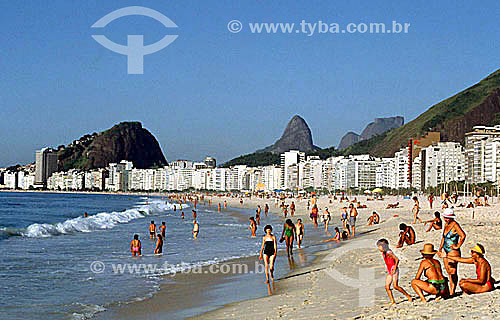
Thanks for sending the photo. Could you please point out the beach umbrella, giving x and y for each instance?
(377, 190)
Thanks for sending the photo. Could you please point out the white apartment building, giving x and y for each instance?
(290, 161)
(478, 167)
(385, 176)
(401, 165)
(442, 162)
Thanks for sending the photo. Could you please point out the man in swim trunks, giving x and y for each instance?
(196, 229)
(266, 209)
(353, 214)
(152, 230)
(163, 229)
(135, 246)
(292, 208)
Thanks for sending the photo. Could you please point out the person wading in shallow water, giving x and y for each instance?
(288, 235)
(268, 252)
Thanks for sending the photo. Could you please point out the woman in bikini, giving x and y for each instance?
(252, 226)
(416, 210)
(135, 246)
(436, 223)
(299, 230)
(431, 268)
(268, 252)
(453, 238)
(484, 281)
(288, 235)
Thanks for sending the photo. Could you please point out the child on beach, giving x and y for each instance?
(392, 263)
(335, 238)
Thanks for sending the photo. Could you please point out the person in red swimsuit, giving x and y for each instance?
(391, 262)
(484, 281)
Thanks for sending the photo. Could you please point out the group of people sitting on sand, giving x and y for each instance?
(449, 251)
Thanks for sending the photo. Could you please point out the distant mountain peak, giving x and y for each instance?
(378, 126)
(297, 136)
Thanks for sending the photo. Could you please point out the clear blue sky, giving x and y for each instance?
(212, 92)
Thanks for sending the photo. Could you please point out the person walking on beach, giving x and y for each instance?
(416, 210)
(353, 214)
(436, 223)
(299, 231)
(314, 216)
(152, 230)
(163, 229)
(406, 235)
(292, 209)
(252, 226)
(266, 209)
(159, 244)
(431, 268)
(326, 219)
(431, 199)
(452, 240)
(196, 229)
(136, 246)
(484, 281)
(268, 252)
(288, 234)
(392, 265)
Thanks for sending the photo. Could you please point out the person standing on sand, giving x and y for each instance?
(353, 214)
(252, 226)
(406, 235)
(135, 246)
(152, 230)
(343, 217)
(196, 229)
(159, 245)
(415, 210)
(299, 231)
(292, 209)
(288, 234)
(326, 219)
(266, 209)
(314, 216)
(452, 240)
(392, 265)
(431, 268)
(268, 251)
(431, 199)
(484, 282)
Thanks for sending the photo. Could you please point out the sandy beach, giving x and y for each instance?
(319, 291)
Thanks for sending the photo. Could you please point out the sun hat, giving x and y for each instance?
(428, 249)
(478, 248)
(448, 213)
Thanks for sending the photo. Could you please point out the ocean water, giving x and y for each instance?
(48, 249)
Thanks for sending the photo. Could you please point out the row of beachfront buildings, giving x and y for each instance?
(424, 162)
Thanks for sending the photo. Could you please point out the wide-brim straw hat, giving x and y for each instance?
(428, 249)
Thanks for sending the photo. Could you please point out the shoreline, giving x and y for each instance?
(178, 299)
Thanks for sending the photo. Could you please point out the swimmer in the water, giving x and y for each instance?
(196, 229)
(159, 244)
(135, 246)
(152, 230)
(163, 229)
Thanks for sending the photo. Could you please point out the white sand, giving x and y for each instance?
(318, 295)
